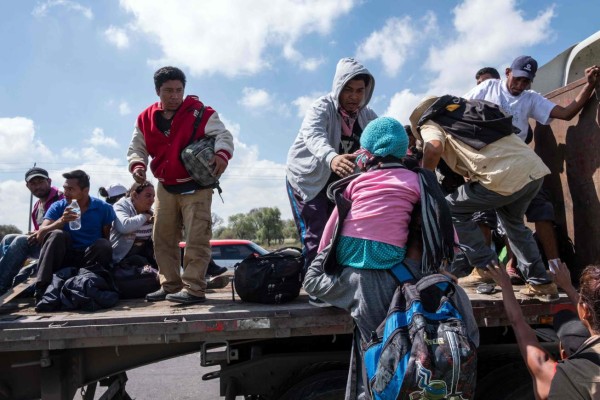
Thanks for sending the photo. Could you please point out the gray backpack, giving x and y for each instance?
(196, 157)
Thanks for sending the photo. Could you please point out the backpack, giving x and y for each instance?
(135, 278)
(196, 157)
(476, 123)
(271, 278)
(421, 350)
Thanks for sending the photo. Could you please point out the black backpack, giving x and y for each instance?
(272, 278)
(135, 279)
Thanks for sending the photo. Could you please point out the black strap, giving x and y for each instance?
(199, 115)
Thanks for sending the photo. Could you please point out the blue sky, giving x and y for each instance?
(75, 74)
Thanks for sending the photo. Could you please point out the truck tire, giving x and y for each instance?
(327, 385)
(510, 381)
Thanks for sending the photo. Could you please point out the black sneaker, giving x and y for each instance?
(183, 297)
(159, 295)
(217, 282)
(214, 270)
(315, 301)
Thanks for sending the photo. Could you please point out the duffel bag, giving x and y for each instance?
(272, 278)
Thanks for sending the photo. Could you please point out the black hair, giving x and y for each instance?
(168, 74)
(83, 179)
(366, 78)
(589, 293)
(139, 187)
(488, 70)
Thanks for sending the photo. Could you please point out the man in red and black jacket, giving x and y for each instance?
(161, 132)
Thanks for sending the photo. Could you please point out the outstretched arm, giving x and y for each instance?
(540, 364)
(568, 112)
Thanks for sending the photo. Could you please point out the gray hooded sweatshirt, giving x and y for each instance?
(320, 135)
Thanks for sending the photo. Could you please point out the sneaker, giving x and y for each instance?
(183, 297)
(217, 282)
(214, 270)
(314, 301)
(546, 292)
(515, 277)
(159, 295)
(476, 277)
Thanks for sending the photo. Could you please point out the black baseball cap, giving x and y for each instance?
(34, 172)
(524, 67)
(570, 331)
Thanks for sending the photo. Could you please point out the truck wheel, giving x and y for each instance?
(511, 381)
(327, 385)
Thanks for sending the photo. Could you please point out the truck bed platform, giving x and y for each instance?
(134, 322)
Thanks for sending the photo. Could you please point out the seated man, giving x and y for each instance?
(63, 246)
(15, 249)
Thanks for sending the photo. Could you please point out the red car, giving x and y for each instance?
(228, 252)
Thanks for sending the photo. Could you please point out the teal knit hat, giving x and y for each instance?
(385, 136)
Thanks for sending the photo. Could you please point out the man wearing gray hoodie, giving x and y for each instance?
(322, 151)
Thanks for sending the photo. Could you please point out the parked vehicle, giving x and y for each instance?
(228, 252)
(290, 351)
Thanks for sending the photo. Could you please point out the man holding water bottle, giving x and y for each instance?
(71, 238)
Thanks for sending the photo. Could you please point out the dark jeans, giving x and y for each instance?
(310, 217)
(58, 252)
(141, 254)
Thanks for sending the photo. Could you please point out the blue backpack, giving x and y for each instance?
(421, 350)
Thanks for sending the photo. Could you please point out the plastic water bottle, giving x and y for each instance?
(75, 224)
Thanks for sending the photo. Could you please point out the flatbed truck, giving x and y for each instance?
(296, 351)
(287, 351)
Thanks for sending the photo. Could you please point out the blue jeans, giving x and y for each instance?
(14, 250)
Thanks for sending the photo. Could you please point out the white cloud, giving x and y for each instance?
(124, 108)
(255, 98)
(402, 104)
(311, 64)
(193, 37)
(302, 103)
(487, 33)
(100, 139)
(307, 64)
(41, 9)
(483, 34)
(18, 143)
(249, 176)
(391, 45)
(117, 36)
(19, 150)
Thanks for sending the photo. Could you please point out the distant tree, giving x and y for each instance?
(223, 232)
(268, 223)
(8, 229)
(216, 221)
(242, 226)
(289, 229)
